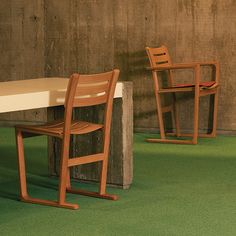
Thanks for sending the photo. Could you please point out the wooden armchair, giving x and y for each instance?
(160, 61)
(82, 90)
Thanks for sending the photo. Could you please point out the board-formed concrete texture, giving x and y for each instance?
(55, 38)
(22, 47)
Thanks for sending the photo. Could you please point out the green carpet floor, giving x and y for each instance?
(177, 190)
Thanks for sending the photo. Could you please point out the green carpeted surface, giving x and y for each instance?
(177, 190)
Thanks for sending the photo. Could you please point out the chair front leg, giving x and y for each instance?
(215, 111)
(160, 116)
(68, 182)
(21, 165)
(196, 104)
(63, 174)
(103, 176)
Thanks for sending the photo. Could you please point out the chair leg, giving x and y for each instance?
(212, 134)
(102, 188)
(68, 182)
(160, 116)
(103, 177)
(161, 123)
(215, 111)
(103, 181)
(64, 178)
(50, 203)
(21, 165)
(63, 171)
(173, 119)
(93, 194)
(23, 183)
(176, 116)
(196, 117)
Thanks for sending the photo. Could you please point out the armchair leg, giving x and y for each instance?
(174, 141)
(200, 135)
(160, 116)
(213, 133)
(176, 117)
(196, 106)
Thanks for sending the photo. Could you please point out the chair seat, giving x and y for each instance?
(206, 84)
(56, 128)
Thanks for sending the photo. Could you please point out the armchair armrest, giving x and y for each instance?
(183, 65)
(192, 65)
(208, 63)
(173, 67)
(216, 65)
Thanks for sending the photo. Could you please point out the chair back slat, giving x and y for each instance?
(92, 89)
(95, 78)
(158, 56)
(90, 101)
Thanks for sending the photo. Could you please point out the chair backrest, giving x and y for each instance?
(158, 56)
(90, 90)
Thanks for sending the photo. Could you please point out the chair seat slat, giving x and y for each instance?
(56, 128)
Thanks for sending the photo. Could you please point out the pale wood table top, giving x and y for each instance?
(36, 93)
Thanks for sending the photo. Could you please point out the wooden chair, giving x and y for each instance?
(82, 90)
(160, 61)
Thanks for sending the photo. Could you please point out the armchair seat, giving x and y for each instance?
(205, 84)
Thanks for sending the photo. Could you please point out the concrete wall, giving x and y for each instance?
(22, 47)
(97, 35)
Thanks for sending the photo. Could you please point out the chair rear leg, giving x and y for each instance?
(160, 116)
(176, 116)
(215, 111)
(21, 165)
(196, 117)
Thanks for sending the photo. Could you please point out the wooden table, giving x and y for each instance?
(36, 93)
(50, 93)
